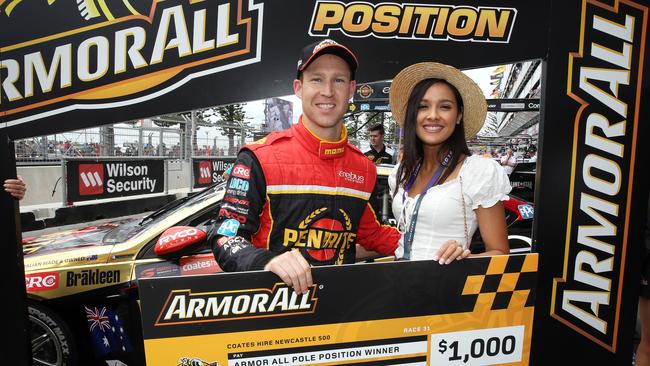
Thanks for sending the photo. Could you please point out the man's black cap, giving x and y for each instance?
(326, 46)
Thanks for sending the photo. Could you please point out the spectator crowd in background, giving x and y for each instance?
(512, 152)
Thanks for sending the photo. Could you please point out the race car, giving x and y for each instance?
(82, 284)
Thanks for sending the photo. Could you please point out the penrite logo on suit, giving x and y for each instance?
(604, 75)
(109, 56)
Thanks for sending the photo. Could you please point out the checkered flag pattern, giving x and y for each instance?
(506, 284)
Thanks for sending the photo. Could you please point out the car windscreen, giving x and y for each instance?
(128, 230)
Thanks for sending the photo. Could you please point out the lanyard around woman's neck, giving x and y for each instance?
(410, 231)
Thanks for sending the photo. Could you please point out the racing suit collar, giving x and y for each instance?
(323, 148)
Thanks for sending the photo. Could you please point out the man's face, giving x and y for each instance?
(376, 139)
(325, 89)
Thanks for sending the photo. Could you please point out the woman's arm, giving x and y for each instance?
(492, 224)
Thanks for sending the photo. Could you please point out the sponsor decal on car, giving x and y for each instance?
(199, 264)
(44, 281)
(158, 270)
(90, 277)
(174, 237)
(57, 262)
(526, 211)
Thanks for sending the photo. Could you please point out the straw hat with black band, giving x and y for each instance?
(475, 106)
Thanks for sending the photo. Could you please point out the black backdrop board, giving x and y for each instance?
(98, 179)
(12, 270)
(206, 171)
(260, 63)
(589, 218)
(255, 49)
(367, 313)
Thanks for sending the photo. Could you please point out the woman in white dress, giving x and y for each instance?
(442, 193)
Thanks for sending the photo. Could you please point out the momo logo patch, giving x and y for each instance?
(91, 179)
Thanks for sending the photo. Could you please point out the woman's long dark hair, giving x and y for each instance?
(413, 151)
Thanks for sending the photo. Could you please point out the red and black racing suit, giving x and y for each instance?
(291, 190)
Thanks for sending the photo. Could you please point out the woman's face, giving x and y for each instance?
(438, 115)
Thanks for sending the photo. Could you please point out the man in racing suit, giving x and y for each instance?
(299, 197)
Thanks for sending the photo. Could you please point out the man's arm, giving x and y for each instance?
(293, 269)
(16, 187)
(239, 218)
(375, 237)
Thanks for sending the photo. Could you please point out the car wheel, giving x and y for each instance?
(51, 339)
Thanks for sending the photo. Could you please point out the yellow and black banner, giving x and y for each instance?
(591, 199)
(64, 63)
(475, 311)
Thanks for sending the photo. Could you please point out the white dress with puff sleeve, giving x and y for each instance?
(441, 217)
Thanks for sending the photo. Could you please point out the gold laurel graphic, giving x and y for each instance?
(348, 222)
(348, 227)
(303, 224)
